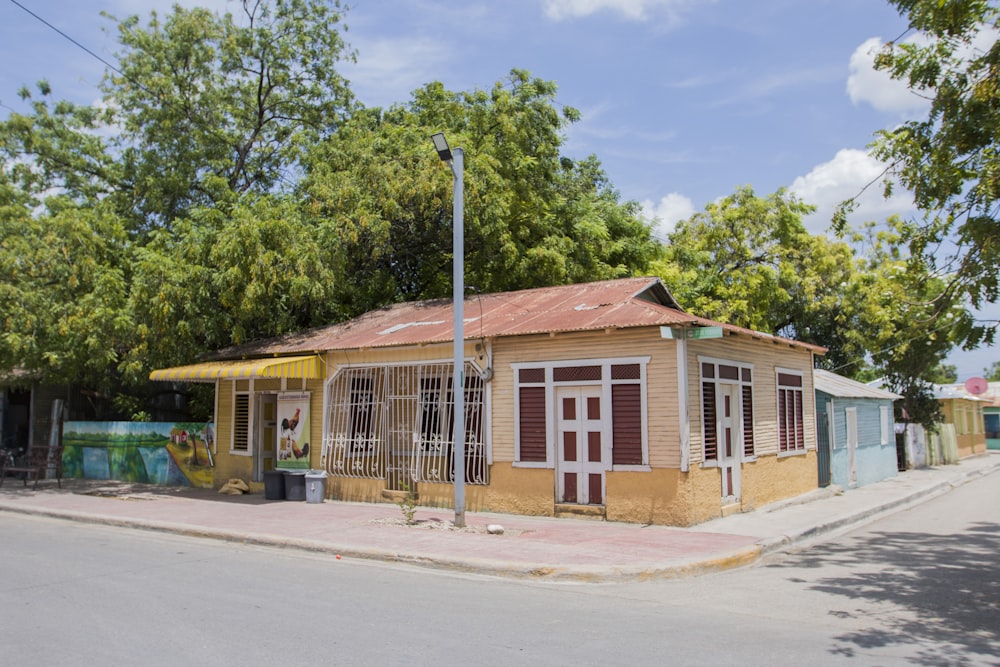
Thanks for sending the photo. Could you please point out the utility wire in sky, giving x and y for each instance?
(64, 35)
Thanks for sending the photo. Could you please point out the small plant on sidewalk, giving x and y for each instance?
(408, 504)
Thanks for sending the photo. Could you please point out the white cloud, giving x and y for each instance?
(850, 173)
(142, 8)
(389, 70)
(632, 10)
(865, 84)
(667, 213)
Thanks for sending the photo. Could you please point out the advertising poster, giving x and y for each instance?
(293, 431)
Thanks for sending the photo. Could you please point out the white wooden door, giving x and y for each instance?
(581, 459)
(730, 441)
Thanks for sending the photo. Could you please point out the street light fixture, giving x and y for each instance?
(456, 160)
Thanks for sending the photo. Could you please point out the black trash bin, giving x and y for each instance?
(295, 485)
(274, 484)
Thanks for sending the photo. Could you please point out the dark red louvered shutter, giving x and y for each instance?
(711, 436)
(626, 424)
(532, 425)
(748, 444)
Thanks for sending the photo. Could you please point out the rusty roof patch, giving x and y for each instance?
(610, 304)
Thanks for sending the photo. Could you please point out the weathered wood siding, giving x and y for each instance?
(765, 356)
(664, 434)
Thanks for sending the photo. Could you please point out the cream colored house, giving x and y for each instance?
(962, 419)
(599, 399)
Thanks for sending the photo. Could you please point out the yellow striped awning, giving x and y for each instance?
(277, 367)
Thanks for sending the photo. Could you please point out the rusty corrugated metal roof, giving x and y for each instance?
(610, 304)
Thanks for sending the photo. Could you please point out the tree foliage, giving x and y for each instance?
(383, 199)
(229, 189)
(951, 159)
(749, 261)
(211, 106)
(63, 292)
(910, 336)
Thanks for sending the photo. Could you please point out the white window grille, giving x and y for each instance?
(396, 423)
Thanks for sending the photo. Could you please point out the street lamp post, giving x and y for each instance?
(456, 160)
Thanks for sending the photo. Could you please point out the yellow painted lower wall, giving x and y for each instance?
(528, 491)
(773, 478)
(443, 495)
(971, 444)
(351, 489)
(660, 496)
(229, 467)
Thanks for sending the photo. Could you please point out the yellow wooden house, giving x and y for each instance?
(602, 399)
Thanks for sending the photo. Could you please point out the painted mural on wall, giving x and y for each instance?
(175, 454)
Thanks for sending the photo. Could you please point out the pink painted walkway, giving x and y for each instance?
(556, 549)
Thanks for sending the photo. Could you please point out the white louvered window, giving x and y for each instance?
(241, 422)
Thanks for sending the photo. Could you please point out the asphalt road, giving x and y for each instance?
(920, 587)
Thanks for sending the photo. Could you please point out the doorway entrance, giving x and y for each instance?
(731, 442)
(580, 459)
(266, 440)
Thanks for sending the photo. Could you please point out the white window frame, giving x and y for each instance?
(741, 365)
(778, 387)
(852, 428)
(885, 422)
(607, 433)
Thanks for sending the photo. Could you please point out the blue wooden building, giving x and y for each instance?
(860, 447)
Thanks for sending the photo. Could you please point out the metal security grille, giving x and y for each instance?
(396, 423)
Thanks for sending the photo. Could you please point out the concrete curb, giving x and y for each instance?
(732, 559)
(549, 572)
(802, 538)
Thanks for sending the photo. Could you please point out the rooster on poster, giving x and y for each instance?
(293, 442)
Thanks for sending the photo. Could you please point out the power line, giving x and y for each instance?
(899, 344)
(64, 35)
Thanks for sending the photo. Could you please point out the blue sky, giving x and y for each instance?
(683, 101)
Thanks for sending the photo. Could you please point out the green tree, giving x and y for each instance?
(167, 237)
(229, 190)
(951, 159)
(749, 261)
(731, 262)
(992, 374)
(211, 106)
(200, 109)
(910, 337)
(57, 147)
(257, 273)
(63, 292)
(383, 200)
(943, 374)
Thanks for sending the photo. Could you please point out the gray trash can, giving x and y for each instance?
(274, 484)
(295, 485)
(315, 486)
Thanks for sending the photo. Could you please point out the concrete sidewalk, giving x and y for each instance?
(539, 547)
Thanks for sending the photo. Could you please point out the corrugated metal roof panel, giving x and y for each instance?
(948, 391)
(841, 387)
(616, 304)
